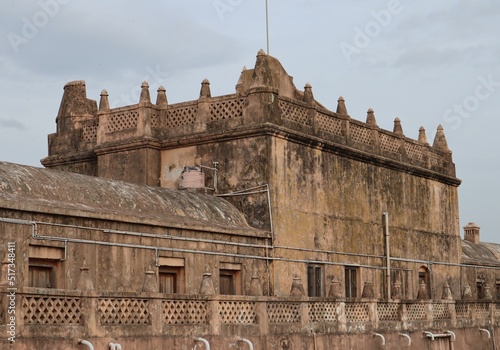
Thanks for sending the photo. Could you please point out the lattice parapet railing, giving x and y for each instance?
(481, 310)
(323, 312)
(89, 131)
(357, 312)
(226, 109)
(360, 134)
(329, 124)
(462, 310)
(52, 310)
(114, 311)
(179, 312)
(155, 120)
(181, 115)
(294, 112)
(389, 143)
(237, 312)
(283, 312)
(415, 151)
(440, 311)
(388, 311)
(496, 311)
(122, 120)
(416, 312)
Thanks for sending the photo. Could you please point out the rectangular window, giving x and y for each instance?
(230, 279)
(171, 275)
(169, 279)
(351, 285)
(314, 281)
(42, 273)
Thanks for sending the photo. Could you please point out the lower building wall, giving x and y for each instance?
(465, 338)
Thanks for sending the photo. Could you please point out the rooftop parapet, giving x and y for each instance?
(265, 97)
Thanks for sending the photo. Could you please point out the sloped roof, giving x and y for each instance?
(481, 253)
(50, 191)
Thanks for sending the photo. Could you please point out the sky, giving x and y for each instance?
(425, 62)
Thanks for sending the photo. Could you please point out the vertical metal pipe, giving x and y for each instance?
(267, 26)
(387, 255)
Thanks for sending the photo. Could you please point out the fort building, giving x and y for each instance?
(257, 219)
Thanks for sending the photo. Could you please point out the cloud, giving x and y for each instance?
(12, 124)
(93, 44)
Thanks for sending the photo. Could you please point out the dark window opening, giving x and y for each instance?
(170, 279)
(229, 282)
(42, 273)
(314, 281)
(351, 285)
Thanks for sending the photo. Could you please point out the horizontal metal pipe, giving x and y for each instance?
(35, 223)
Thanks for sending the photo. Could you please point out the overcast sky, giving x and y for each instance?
(426, 62)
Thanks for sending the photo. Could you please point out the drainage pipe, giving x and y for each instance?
(86, 343)
(381, 336)
(387, 254)
(246, 341)
(493, 337)
(407, 337)
(447, 334)
(114, 346)
(486, 331)
(202, 340)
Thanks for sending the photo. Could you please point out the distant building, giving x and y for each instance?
(254, 219)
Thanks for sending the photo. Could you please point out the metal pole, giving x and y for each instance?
(267, 26)
(388, 257)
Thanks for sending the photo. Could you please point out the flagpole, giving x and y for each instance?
(267, 26)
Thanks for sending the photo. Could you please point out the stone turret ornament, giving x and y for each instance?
(297, 289)
(104, 102)
(150, 282)
(161, 97)
(370, 117)
(145, 98)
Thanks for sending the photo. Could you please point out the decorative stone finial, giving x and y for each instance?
(422, 137)
(335, 289)
(145, 98)
(440, 140)
(467, 293)
(422, 291)
(487, 292)
(161, 97)
(150, 283)
(368, 291)
(207, 285)
(308, 94)
(297, 289)
(398, 129)
(205, 89)
(341, 108)
(261, 53)
(370, 117)
(255, 287)
(447, 292)
(104, 102)
(396, 290)
(84, 280)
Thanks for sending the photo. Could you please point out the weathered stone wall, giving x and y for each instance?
(333, 203)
